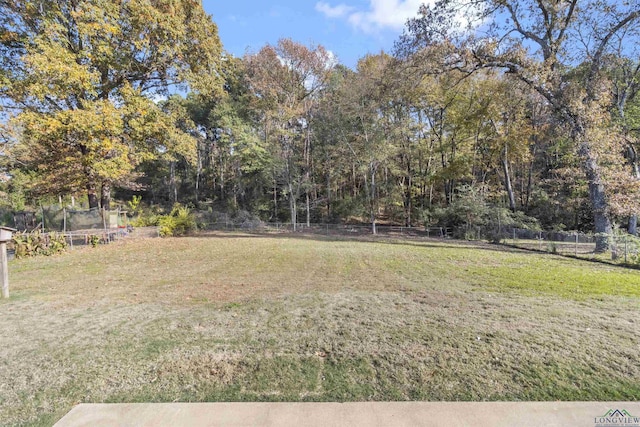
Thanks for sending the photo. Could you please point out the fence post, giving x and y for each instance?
(104, 222)
(540, 240)
(4, 266)
(625, 248)
(576, 247)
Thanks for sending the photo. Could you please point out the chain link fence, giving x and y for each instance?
(625, 248)
(325, 229)
(63, 219)
(79, 227)
(26, 221)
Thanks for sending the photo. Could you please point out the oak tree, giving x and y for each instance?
(537, 41)
(82, 76)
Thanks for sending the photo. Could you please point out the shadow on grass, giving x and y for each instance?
(576, 257)
(400, 240)
(388, 239)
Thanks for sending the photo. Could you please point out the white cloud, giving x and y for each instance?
(332, 59)
(381, 14)
(157, 98)
(329, 11)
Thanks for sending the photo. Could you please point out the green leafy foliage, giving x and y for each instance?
(144, 216)
(94, 240)
(83, 76)
(286, 133)
(134, 205)
(179, 222)
(146, 220)
(38, 243)
(471, 216)
(625, 248)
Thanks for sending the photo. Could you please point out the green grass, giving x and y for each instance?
(231, 317)
(565, 278)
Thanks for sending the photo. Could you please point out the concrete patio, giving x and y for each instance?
(449, 414)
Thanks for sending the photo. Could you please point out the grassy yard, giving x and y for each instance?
(303, 318)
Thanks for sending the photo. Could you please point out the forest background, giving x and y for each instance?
(517, 112)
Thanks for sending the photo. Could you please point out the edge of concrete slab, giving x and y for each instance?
(476, 414)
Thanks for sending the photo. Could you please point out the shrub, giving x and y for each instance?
(144, 216)
(178, 223)
(37, 243)
(167, 225)
(134, 206)
(146, 220)
(94, 240)
(471, 217)
(624, 246)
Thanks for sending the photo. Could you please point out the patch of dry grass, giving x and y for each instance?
(239, 317)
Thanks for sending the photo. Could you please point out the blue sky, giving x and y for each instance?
(348, 28)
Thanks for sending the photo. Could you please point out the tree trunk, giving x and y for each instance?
(602, 222)
(198, 173)
(307, 159)
(92, 195)
(275, 200)
(328, 191)
(529, 183)
(308, 209)
(597, 196)
(293, 208)
(407, 192)
(354, 181)
(408, 206)
(105, 196)
(633, 220)
(223, 187)
(449, 186)
(373, 198)
(507, 181)
(633, 225)
(172, 183)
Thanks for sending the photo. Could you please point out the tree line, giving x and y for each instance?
(522, 111)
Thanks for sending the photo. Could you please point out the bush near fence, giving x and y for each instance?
(74, 227)
(38, 243)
